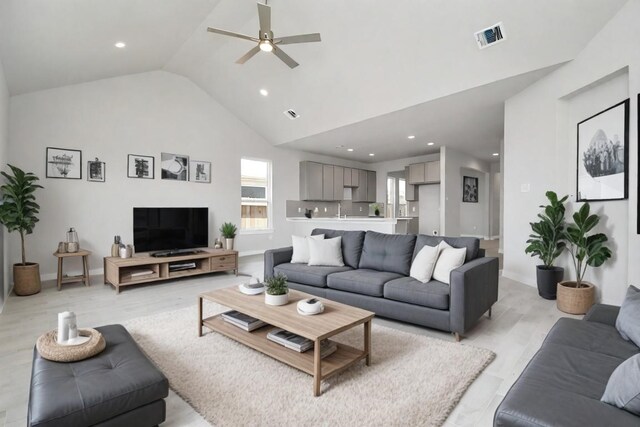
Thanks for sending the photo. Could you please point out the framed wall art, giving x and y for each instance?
(470, 189)
(603, 155)
(199, 171)
(96, 170)
(64, 163)
(175, 166)
(140, 166)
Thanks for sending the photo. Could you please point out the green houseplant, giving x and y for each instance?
(18, 212)
(376, 209)
(228, 230)
(547, 243)
(276, 290)
(587, 250)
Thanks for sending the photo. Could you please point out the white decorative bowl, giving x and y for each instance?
(276, 299)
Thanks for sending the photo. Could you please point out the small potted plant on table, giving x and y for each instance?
(228, 231)
(576, 297)
(547, 243)
(18, 212)
(276, 290)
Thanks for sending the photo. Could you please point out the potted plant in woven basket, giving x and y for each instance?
(276, 290)
(18, 212)
(547, 243)
(228, 231)
(587, 250)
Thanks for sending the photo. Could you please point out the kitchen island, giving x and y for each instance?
(304, 226)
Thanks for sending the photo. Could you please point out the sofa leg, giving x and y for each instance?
(457, 336)
(489, 313)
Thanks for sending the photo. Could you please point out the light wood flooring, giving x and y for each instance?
(520, 322)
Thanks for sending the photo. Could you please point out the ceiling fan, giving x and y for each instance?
(265, 40)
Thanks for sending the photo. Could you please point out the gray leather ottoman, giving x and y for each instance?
(118, 387)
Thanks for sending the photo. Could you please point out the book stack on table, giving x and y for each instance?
(300, 344)
(243, 321)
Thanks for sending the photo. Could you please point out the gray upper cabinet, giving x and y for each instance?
(355, 177)
(371, 186)
(347, 177)
(416, 173)
(432, 172)
(411, 190)
(424, 173)
(310, 181)
(327, 182)
(338, 182)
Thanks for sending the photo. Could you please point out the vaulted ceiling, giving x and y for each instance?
(382, 70)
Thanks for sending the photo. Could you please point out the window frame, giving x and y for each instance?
(269, 198)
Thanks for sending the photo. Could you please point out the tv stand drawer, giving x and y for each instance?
(223, 262)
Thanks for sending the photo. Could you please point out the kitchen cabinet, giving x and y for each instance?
(346, 177)
(432, 174)
(411, 190)
(359, 193)
(424, 173)
(327, 182)
(417, 173)
(355, 178)
(371, 186)
(338, 182)
(310, 181)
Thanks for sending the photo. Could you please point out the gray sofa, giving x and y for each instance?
(563, 383)
(376, 277)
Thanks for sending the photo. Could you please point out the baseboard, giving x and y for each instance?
(251, 253)
(494, 238)
(525, 280)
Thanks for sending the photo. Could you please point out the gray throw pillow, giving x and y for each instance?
(628, 321)
(623, 387)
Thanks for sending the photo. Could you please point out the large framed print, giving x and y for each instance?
(603, 155)
(139, 166)
(64, 163)
(470, 189)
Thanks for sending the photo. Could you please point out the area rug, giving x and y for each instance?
(412, 380)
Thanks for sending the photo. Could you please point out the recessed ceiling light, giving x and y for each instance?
(120, 45)
(411, 136)
(264, 92)
(371, 154)
(349, 149)
(496, 154)
(430, 143)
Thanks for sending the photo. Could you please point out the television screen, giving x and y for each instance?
(158, 229)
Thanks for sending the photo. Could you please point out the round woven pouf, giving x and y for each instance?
(49, 348)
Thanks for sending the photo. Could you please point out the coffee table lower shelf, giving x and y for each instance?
(344, 357)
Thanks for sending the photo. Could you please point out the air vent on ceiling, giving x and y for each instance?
(291, 114)
(490, 36)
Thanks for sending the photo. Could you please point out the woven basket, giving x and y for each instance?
(574, 300)
(26, 279)
(49, 348)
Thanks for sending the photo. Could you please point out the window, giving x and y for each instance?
(255, 181)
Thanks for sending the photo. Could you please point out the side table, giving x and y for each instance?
(84, 277)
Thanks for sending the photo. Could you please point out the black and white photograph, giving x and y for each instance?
(603, 155)
(470, 189)
(199, 171)
(96, 170)
(140, 166)
(175, 166)
(64, 163)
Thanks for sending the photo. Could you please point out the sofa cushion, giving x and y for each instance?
(326, 252)
(424, 263)
(432, 294)
(623, 388)
(351, 244)
(449, 259)
(564, 381)
(388, 252)
(308, 275)
(629, 316)
(471, 243)
(361, 281)
(300, 245)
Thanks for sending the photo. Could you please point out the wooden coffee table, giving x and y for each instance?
(335, 319)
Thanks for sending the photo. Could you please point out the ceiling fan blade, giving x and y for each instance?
(284, 57)
(302, 38)
(264, 14)
(247, 56)
(231, 34)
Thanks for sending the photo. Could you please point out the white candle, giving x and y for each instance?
(63, 326)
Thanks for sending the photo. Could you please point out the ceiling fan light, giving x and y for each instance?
(266, 46)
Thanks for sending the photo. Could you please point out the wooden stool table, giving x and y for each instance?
(85, 267)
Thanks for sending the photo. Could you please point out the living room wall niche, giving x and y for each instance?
(148, 114)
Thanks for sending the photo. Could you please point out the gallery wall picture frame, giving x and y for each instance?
(470, 189)
(96, 171)
(64, 163)
(602, 163)
(175, 167)
(199, 171)
(140, 166)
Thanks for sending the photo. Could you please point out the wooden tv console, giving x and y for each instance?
(130, 271)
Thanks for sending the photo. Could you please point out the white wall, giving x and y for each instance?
(383, 168)
(451, 164)
(540, 150)
(429, 220)
(4, 149)
(495, 188)
(474, 217)
(148, 114)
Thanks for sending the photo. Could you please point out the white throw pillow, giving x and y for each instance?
(424, 263)
(326, 252)
(301, 248)
(449, 259)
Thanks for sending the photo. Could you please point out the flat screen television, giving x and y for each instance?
(163, 229)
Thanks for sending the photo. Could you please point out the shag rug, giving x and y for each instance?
(413, 380)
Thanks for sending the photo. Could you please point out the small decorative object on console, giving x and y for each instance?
(228, 230)
(276, 290)
(73, 245)
(217, 244)
(252, 288)
(115, 247)
(309, 307)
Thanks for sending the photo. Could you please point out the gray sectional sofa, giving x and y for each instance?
(376, 277)
(563, 383)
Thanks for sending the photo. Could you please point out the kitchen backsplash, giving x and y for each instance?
(296, 209)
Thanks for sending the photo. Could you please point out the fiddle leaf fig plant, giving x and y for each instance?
(587, 250)
(547, 240)
(19, 210)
